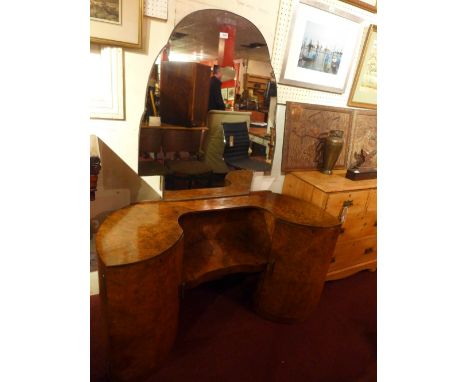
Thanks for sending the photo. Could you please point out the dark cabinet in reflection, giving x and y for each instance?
(184, 92)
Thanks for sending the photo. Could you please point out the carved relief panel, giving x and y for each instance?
(306, 128)
(363, 148)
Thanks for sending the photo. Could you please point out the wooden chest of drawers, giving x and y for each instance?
(355, 204)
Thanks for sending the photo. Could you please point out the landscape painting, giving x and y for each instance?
(106, 10)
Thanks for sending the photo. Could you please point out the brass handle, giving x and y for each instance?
(347, 203)
(368, 250)
(344, 210)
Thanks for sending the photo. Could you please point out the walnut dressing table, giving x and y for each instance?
(354, 203)
(150, 251)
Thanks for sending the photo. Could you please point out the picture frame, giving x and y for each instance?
(107, 83)
(322, 44)
(124, 29)
(364, 90)
(368, 5)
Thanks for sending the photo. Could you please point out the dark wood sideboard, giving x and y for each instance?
(150, 252)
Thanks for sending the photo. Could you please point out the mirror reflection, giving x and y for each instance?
(210, 103)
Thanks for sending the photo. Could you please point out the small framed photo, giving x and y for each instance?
(116, 22)
(364, 91)
(322, 44)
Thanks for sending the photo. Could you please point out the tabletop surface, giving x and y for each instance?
(145, 230)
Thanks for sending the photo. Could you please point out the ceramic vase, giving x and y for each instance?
(332, 150)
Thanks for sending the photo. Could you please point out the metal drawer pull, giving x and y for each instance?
(368, 250)
(344, 210)
(347, 203)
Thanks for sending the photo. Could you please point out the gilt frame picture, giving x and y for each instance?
(321, 47)
(368, 5)
(116, 22)
(364, 90)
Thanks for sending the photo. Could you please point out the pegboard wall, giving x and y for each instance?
(297, 94)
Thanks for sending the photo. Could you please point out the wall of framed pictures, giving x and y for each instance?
(288, 93)
(280, 49)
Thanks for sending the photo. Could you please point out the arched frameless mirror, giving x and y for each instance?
(180, 139)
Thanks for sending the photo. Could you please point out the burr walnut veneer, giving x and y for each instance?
(150, 252)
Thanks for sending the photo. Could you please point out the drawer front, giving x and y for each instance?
(357, 227)
(354, 252)
(356, 201)
(372, 202)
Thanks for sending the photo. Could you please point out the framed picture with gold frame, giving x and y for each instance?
(364, 91)
(116, 22)
(368, 5)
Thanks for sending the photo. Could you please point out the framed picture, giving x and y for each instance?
(364, 90)
(107, 83)
(322, 44)
(116, 22)
(230, 94)
(368, 5)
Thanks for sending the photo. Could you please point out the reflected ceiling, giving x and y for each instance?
(198, 34)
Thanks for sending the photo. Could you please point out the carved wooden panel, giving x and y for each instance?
(305, 130)
(364, 137)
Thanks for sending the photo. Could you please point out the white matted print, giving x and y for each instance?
(106, 83)
(322, 45)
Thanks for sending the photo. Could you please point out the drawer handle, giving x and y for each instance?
(368, 250)
(347, 203)
(333, 259)
(344, 210)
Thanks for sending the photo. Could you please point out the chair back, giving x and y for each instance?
(236, 141)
